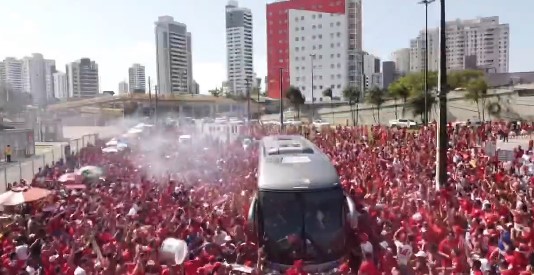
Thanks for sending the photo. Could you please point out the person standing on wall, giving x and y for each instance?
(7, 153)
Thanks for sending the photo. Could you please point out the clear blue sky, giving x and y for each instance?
(117, 33)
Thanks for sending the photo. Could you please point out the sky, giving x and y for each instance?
(118, 33)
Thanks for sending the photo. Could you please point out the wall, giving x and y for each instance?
(21, 141)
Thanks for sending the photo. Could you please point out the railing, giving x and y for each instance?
(27, 168)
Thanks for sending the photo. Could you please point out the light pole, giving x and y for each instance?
(442, 138)
(281, 100)
(248, 100)
(312, 56)
(426, 3)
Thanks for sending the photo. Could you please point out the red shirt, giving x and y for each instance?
(368, 268)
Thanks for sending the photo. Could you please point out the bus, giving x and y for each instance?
(300, 211)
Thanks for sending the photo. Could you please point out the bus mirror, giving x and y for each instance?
(352, 215)
(251, 221)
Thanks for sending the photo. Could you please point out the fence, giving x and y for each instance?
(27, 168)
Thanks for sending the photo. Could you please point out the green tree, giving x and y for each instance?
(328, 93)
(216, 92)
(417, 104)
(352, 94)
(461, 79)
(398, 89)
(376, 97)
(477, 90)
(296, 98)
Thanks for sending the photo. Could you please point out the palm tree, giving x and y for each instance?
(399, 89)
(328, 93)
(376, 97)
(477, 90)
(352, 94)
(295, 97)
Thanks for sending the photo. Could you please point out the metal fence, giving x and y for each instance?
(27, 168)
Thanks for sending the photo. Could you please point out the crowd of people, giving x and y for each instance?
(479, 222)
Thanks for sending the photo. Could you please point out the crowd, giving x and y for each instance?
(479, 222)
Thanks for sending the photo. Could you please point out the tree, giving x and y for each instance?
(477, 90)
(376, 97)
(352, 94)
(418, 104)
(398, 89)
(328, 93)
(295, 97)
(216, 92)
(460, 79)
(13, 102)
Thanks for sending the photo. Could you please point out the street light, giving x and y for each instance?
(442, 139)
(312, 56)
(248, 100)
(426, 3)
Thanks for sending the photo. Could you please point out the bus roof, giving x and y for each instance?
(291, 163)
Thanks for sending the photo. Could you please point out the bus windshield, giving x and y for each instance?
(303, 225)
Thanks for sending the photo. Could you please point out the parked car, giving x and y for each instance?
(293, 122)
(318, 123)
(402, 122)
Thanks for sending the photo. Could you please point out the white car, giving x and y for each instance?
(293, 122)
(402, 122)
(320, 123)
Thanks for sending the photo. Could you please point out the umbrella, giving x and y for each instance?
(68, 177)
(112, 142)
(90, 171)
(110, 150)
(19, 195)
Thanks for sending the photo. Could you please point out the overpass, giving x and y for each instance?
(188, 104)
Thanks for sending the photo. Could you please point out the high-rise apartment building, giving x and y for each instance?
(401, 58)
(123, 88)
(323, 32)
(173, 56)
(61, 89)
(136, 78)
(371, 70)
(37, 78)
(239, 49)
(82, 77)
(482, 41)
(11, 74)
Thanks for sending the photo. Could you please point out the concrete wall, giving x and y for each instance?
(21, 141)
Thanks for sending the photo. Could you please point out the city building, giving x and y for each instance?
(325, 33)
(11, 74)
(389, 73)
(196, 88)
(173, 56)
(136, 79)
(482, 41)
(401, 58)
(123, 88)
(371, 71)
(37, 78)
(82, 77)
(239, 48)
(61, 88)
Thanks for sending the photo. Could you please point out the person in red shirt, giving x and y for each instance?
(476, 268)
(368, 266)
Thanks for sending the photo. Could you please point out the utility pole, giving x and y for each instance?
(248, 100)
(156, 108)
(281, 100)
(312, 56)
(149, 96)
(426, 3)
(442, 138)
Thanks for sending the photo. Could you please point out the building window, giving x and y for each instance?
(332, 24)
(320, 26)
(320, 15)
(339, 86)
(320, 36)
(338, 24)
(314, 47)
(313, 36)
(302, 38)
(313, 27)
(301, 28)
(320, 56)
(338, 34)
(338, 55)
(297, 29)
(302, 18)
(313, 16)
(296, 49)
(320, 46)
(332, 66)
(297, 78)
(296, 38)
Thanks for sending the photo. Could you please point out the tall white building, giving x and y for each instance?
(82, 77)
(371, 70)
(136, 78)
(173, 56)
(37, 78)
(401, 58)
(11, 74)
(321, 38)
(61, 89)
(123, 88)
(483, 43)
(239, 48)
